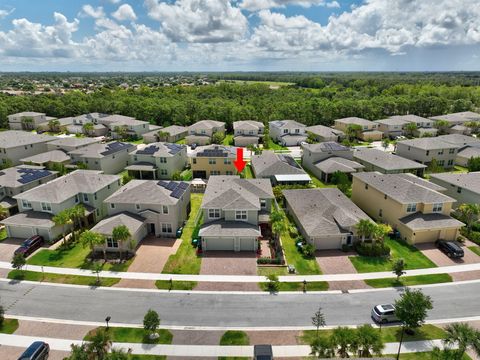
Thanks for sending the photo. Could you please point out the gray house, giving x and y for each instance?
(465, 154)
(463, 187)
(175, 133)
(287, 132)
(16, 145)
(392, 127)
(324, 133)
(386, 163)
(247, 132)
(71, 143)
(279, 168)
(235, 212)
(458, 118)
(37, 206)
(47, 158)
(27, 120)
(202, 131)
(325, 217)
(157, 160)
(424, 150)
(132, 126)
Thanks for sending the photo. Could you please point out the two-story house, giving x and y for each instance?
(423, 126)
(70, 143)
(37, 206)
(287, 132)
(152, 207)
(386, 163)
(392, 127)
(247, 132)
(235, 211)
(157, 160)
(130, 125)
(463, 187)
(111, 157)
(202, 131)
(213, 160)
(424, 150)
(16, 145)
(27, 120)
(414, 207)
(323, 133)
(369, 128)
(18, 179)
(97, 129)
(171, 133)
(281, 169)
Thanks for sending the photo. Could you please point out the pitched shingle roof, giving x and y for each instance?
(56, 156)
(73, 141)
(429, 143)
(223, 228)
(206, 124)
(131, 221)
(269, 163)
(335, 163)
(15, 138)
(392, 121)
(159, 149)
(464, 116)
(420, 221)
(410, 118)
(247, 125)
(469, 152)
(469, 181)
(287, 124)
(221, 151)
(386, 161)
(324, 131)
(101, 150)
(356, 120)
(22, 175)
(459, 139)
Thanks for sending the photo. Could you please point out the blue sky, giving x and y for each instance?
(261, 35)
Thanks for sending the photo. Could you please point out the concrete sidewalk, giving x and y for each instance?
(205, 350)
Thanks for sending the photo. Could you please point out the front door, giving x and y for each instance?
(151, 228)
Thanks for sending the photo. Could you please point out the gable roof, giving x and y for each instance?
(132, 221)
(287, 124)
(100, 150)
(356, 120)
(174, 129)
(326, 147)
(268, 163)
(56, 156)
(469, 152)
(459, 139)
(121, 120)
(463, 116)
(411, 118)
(385, 160)
(324, 131)
(27, 113)
(73, 141)
(336, 163)
(159, 149)
(392, 121)
(469, 181)
(428, 143)
(21, 175)
(206, 124)
(15, 138)
(247, 125)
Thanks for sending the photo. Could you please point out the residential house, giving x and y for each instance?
(61, 124)
(247, 132)
(459, 118)
(175, 133)
(325, 159)
(281, 169)
(369, 131)
(213, 160)
(414, 207)
(37, 206)
(463, 187)
(16, 145)
(287, 132)
(325, 217)
(392, 127)
(424, 126)
(157, 160)
(98, 129)
(27, 120)
(70, 143)
(465, 154)
(386, 163)
(48, 159)
(111, 157)
(18, 179)
(323, 133)
(235, 213)
(202, 131)
(132, 127)
(424, 150)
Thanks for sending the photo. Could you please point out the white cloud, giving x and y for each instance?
(204, 21)
(255, 5)
(89, 10)
(4, 13)
(124, 12)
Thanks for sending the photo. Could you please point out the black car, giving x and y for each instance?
(37, 351)
(193, 146)
(30, 245)
(451, 248)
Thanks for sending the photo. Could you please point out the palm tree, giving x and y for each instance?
(54, 125)
(91, 239)
(369, 341)
(121, 234)
(352, 131)
(163, 135)
(278, 221)
(88, 128)
(464, 336)
(442, 126)
(410, 128)
(468, 213)
(62, 219)
(27, 123)
(100, 344)
(380, 232)
(322, 347)
(76, 214)
(3, 212)
(344, 341)
(365, 228)
(473, 125)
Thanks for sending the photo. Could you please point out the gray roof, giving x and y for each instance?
(30, 219)
(324, 131)
(121, 120)
(464, 116)
(404, 188)
(392, 121)
(420, 221)
(21, 175)
(62, 188)
(27, 113)
(248, 125)
(469, 152)
(410, 118)
(131, 221)
(231, 192)
(55, 156)
(73, 141)
(159, 149)
(175, 129)
(269, 163)
(222, 228)
(356, 120)
(326, 147)
(324, 211)
(206, 124)
(141, 166)
(100, 150)
(468, 181)
(147, 192)
(385, 160)
(15, 138)
(459, 139)
(213, 150)
(287, 124)
(335, 163)
(428, 143)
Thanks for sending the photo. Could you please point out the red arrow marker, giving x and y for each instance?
(239, 163)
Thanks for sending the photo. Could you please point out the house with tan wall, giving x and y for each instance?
(369, 131)
(201, 132)
(213, 160)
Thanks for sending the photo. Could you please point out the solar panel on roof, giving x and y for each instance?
(177, 193)
(183, 185)
(149, 150)
(115, 147)
(174, 148)
(171, 185)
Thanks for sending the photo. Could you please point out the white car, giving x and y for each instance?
(384, 313)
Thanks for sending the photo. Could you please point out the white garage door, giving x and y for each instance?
(219, 244)
(20, 232)
(247, 244)
(328, 243)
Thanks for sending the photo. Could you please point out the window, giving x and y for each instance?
(97, 212)
(385, 197)
(212, 161)
(437, 207)
(85, 197)
(112, 206)
(137, 206)
(112, 243)
(163, 160)
(428, 152)
(451, 151)
(441, 162)
(241, 215)
(409, 148)
(285, 131)
(450, 162)
(214, 172)
(108, 186)
(229, 172)
(163, 172)
(411, 208)
(227, 161)
(166, 228)
(366, 186)
(459, 190)
(135, 158)
(46, 206)
(263, 203)
(76, 198)
(164, 209)
(214, 213)
(202, 132)
(95, 196)
(194, 160)
(26, 204)
(440, 152)
(380, 212)
(297, 131)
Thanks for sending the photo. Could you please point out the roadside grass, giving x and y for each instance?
(228, 141)
(248, 172)
(409, 281)
(234, 337)
(9, 326)
(133, 335)
(60, 278)
(274, 146)
(175, 285)
(475, 249)
(297, 286)
(265, 270)
(185, 260)
(421, 356)
(414, 259)
(74, 256)
(316, 181)
(3, 234)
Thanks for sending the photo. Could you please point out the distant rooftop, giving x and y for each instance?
(15, 138)
(469, 181)
(21, 175)
(384, 160)
(54, 156)
(287, 124)
(355, 120)
(73, 141)
(100, 150)
(159, 149)
(464, 116)
(206, 124)
(429, 143)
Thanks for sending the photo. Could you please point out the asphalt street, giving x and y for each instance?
(233, 310)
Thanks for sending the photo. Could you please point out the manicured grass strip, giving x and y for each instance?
(248, 172)
(3, 234)
(233, 337)
(409, 281)
(61, 279)
(274, 146)
(133, 335)
(414, 259)
(175, 285)
(298, 286)
(265, 270)
(475, 249)
(316, 181)
(420, 356)
(185, 260)
(9, 326)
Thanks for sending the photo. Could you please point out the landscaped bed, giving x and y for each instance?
(9, 326)
(133, 335)
(409, 281)
(175, 285)
(297, 286)
(60, 278)
(475, 249)
(3, 234)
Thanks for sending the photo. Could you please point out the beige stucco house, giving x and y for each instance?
(16, 145)
(287, 132)
(27, 120)
(369, 131)
(247, 132)
(213, 160)
(175, 133)
(202, 131)
(280, 169)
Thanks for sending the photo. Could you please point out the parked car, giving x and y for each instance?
(450, 248)
(193, 146)
(38, 350)
(384, 313)
(30, 245)
(179, 232)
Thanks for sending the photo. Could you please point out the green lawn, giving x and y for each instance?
(186, 175)
(266, 270)
(228, 140)
(3, 234)
(460, 169)
(233, 337)
(248, 172)
(9, 326)
(298, 286)
(475, 249)
(133, 335)
(421, 356)
(414, 259)
(316, 181)
(181, 142)
(185, 260)
(73, 257)
(274, 146)
(176, 285)
(409, 280)
(59, 278)
(136, 142)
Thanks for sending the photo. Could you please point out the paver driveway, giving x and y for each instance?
(335, 262)
(440, 259)
(153, 253)
(7, 247)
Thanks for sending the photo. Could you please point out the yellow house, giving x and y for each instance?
(369, 131)
(413, 206)
(213, 160)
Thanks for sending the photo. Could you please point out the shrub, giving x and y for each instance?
(269, 261)
(372, 250)
(308, 250)
(346, 248)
